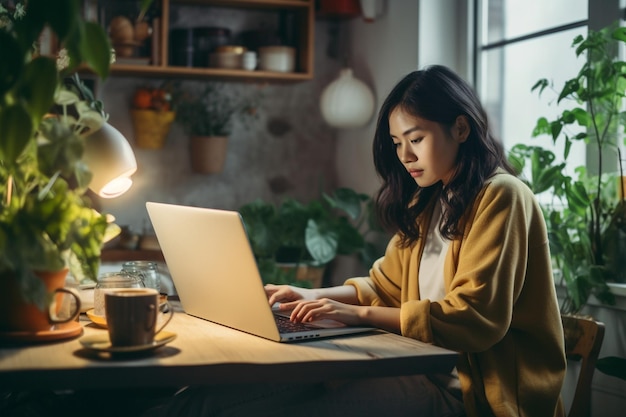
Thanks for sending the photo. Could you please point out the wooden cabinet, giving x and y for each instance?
(299, 15)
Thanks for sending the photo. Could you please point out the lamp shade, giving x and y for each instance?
(111, 160)
(347, 102)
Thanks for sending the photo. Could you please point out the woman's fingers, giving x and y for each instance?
(324, 308)
(281, 293)
(305, 311)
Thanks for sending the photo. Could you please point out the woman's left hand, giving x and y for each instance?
(325, 308)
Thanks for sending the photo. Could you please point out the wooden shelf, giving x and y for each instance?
(218, 73)
(305, 22)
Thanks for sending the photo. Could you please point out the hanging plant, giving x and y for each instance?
(211, 109)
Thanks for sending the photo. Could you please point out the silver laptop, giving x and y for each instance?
(210, 259)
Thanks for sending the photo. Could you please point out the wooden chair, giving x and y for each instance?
(583, 339)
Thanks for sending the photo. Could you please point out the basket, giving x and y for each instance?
(151, 127)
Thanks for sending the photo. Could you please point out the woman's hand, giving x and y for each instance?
(287, 293)
(325, 308)
(306, 306)
(337, 303)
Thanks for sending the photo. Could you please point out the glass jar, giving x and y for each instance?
(110, 281)
(148, 271)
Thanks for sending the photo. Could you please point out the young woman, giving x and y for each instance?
(468, 269)
(469, 266)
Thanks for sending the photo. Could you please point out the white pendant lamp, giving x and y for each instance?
(111, 160)
(347, 102)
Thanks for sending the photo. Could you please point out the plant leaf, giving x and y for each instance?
(17, 130)
(95, 48)
(541, 85)
(613, 366)
(37, 86)
(542, 127)
(12, 62)
(570, 87)
(322, 245)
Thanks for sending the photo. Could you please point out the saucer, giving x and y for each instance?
(58, 332)
(101, 343)
(100, 321)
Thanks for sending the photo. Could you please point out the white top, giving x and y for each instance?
(431, 265)
(431, 284)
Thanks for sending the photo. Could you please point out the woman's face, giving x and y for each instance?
(426, 149)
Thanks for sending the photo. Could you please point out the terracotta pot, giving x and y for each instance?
(208, 153)
(17, 315)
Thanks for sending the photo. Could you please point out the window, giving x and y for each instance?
(522, 41)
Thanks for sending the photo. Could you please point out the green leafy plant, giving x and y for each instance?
(613, 366)
(210, 110)
(46, 219)
(586, 216)
(312, 233)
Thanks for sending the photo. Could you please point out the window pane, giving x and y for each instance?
(508, 75)
(507, 19)
(622, 57)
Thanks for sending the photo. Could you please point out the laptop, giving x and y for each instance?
(211, 262)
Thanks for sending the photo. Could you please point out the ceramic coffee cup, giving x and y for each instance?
(132, 316)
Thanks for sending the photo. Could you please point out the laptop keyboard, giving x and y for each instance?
(287, 326)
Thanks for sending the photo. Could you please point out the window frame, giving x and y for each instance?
(600, 14)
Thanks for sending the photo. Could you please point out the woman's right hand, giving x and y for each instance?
(287, 293)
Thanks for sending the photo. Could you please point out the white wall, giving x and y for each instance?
(408, 35)
(381, 53)
(443, 35)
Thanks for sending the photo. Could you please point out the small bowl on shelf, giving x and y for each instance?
(228, 56)
(277, 58)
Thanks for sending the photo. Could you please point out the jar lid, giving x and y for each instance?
(120, 278)
(280, 49)
(139, 264)
(235, 49)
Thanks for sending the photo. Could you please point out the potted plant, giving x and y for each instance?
(206, 115)
(586, 217)
(47, 223)
(293, 241)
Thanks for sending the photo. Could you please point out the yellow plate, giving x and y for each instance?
(99, 321)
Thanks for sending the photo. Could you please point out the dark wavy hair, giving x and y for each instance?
(437, 94)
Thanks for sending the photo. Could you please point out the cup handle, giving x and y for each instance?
(169, 311)
(54, 319)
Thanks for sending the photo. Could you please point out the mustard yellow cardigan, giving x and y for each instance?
(500, 309)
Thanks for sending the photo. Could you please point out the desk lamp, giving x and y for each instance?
(111, 160)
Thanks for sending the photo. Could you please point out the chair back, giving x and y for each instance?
(583, 339)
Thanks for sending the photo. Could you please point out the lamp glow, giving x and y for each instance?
(111, 160)
(116, 187)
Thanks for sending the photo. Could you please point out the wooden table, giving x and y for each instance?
(208, 353)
